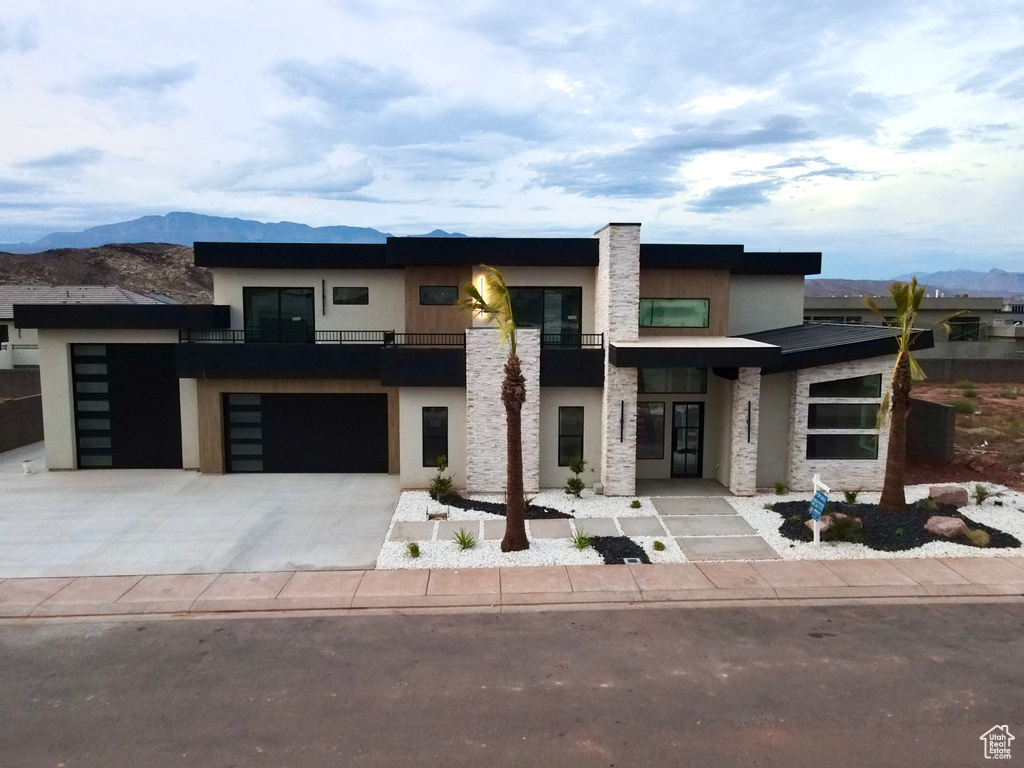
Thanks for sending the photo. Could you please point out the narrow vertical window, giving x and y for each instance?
(435, 434)
(570, 434)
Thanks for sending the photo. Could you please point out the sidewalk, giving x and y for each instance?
(512, 588)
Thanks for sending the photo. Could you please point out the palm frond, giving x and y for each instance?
(495, 302)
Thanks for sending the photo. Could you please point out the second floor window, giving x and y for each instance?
(965, 329)
(674, 313)
(557, 312)
(438, 294)
(278, 314)
(346, 295)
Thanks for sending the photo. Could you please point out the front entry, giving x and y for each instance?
(687, 439)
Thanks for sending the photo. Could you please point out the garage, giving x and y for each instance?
(127, 406)
(305, 432)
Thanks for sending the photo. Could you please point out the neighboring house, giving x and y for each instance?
(647, 361)
(983, 328)
(19, 347)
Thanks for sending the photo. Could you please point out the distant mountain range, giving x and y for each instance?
(186, 228)
(996, 282)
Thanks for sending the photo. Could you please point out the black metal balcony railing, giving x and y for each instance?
(571, 340)
(429, 339)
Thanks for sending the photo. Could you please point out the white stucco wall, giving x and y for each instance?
(551, 399)
(385, 312)
(21, 349)
(763, 302)
(56, 386)
(411, 402)
(773, 432)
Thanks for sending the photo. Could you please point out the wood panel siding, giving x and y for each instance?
(710, 284)
(211, 416)
(435, 319)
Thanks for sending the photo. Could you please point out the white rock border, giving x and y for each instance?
(1008, 518)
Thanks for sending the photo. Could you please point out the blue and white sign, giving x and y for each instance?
(818, 504)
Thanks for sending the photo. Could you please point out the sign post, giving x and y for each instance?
(821, 492)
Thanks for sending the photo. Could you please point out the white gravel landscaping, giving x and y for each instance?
(1008, 518)
(486, 554)
(414, 505)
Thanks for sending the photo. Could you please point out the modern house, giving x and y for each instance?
(19, 347)
(648, 361)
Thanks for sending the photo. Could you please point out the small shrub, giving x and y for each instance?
(851, 496)
(964, 384)
(412, 548)
(1015, 423)
(1009, 394)
(465, 539)
(528, 501)
(963, 406)
(969, 392)
(780, 489)
(574, 485)
(769, 507)
(928, 504)
(981, 494)
(844, 529)
(635, 504)
(899, 531)
(441, 484)
(658, 546)
(581, 541)
(792, 518)
(977, 537)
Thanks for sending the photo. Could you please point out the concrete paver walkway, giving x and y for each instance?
(512, 588)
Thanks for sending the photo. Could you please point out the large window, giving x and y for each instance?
(650, 430)
(859, 386)
(674, 313)
(278, 314)
(438, 295)
(842, 446)
(570, 434)
(556, 311)
(347, 295)
(690, 381)
(435, 435)
(965, 329)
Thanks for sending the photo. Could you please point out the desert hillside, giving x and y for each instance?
(142, 267)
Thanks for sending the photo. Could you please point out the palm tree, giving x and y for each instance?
(907, 298)
(498, 306)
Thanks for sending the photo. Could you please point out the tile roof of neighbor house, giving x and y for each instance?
(67, 294)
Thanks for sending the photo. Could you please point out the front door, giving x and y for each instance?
(687, 439)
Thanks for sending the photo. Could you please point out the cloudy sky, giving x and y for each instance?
(888, 135)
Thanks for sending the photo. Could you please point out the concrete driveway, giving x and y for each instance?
(134, 522)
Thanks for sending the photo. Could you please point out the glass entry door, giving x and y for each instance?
(687, 439)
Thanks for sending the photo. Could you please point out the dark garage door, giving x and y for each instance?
(127, 406)
(306, 433)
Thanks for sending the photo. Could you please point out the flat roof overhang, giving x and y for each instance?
(694, 351)
(122, 316)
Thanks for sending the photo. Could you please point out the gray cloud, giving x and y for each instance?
(149, 81)
(998, 74)
(647, 169)
(339, 183)
(735, 198)
(74, 159)
(21, 36)
(345, 85)
(929, 138)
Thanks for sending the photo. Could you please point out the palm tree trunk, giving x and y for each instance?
(513, 395)
(893, 497)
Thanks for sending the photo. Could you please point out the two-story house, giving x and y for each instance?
(648, 361)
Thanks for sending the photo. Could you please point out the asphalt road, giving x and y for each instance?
(787, 686)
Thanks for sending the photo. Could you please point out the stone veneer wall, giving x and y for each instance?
(743, 451)
(616, 298)
(838, 474)
(486, 445)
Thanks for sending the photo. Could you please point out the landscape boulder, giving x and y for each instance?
(947, 527)
(948, 494)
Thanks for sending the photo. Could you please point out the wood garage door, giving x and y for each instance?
(306, 432)
(127, 406)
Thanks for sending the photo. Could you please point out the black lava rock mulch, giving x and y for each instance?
(533, 512)
(884, 531)
(614, 548)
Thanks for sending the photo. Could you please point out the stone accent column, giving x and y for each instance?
(486, 445)
(743, 432)
(616, 302)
